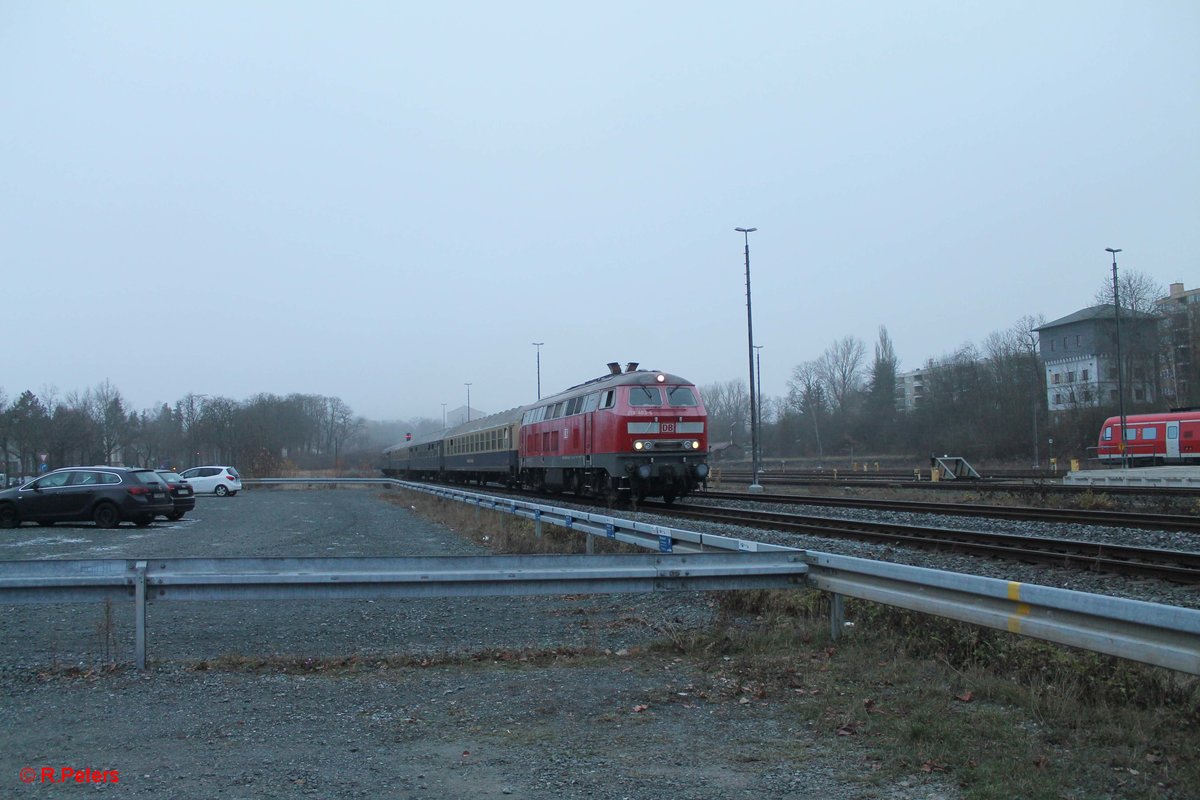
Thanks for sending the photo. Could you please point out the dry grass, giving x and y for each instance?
(1003, 715)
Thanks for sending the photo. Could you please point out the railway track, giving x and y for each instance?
(1171, 565)
(1121, 519)
(1042, 485)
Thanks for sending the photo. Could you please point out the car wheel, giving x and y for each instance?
(143, 522)
(8, 517)
(221, 491)
(175, 515)
(106, 515)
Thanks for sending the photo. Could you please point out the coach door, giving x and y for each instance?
(1172, 440)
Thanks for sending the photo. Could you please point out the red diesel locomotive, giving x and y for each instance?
(633, 433)
(1170, 438)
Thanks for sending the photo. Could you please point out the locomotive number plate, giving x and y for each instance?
(667, 427)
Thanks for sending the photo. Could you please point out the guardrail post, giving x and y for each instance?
(590, 546)
(537, 523)
(139, 613)
(837, 615)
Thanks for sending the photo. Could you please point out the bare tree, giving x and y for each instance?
(1139, 291)
(728, 407)
(806, 394)
(840, 369)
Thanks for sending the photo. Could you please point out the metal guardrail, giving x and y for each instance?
(1152, 633)
(155, 580)
(1166, 636)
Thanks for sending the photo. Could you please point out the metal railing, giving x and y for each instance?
(1166, 636)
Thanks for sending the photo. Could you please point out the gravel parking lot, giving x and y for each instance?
(327, 716)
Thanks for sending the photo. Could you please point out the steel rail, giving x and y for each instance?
(1177, 566)
(1121, 519)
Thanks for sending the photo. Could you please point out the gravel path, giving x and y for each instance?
(621, 723)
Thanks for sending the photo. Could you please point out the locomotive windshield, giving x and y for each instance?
(645, 396)
(681, 396)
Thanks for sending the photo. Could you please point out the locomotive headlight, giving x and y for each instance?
(695, 445)
(638, 445)
(660, 378)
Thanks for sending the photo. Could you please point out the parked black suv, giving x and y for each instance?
(107, 496)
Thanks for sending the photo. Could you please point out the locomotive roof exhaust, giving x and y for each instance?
(614, 368)
(631, 366)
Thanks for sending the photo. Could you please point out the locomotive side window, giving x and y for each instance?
(607, 400)
(680, 396)
(573, 405)
(645, 396)
(591, 402)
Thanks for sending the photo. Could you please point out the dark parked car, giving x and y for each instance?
(107, 496)
(181, 493)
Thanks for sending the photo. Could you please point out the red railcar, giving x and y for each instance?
(638, 432)
(1168, 438)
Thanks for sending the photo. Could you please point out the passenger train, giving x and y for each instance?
(1169, 438)
(629, 434)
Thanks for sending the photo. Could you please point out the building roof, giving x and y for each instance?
(1102, 312)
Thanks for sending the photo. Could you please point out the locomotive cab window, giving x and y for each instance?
(607, 399)
(1108, 433)
(681, 396)
(645, 396)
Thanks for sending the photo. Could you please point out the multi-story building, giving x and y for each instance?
(910, 390)
(1079, 352)
(1181, 341)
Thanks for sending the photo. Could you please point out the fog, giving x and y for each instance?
(383, 202)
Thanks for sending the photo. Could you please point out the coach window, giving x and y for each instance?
(1149, 433)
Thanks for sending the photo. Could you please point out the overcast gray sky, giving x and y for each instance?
(383, 201)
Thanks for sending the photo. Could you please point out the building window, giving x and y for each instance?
(1057, 399)
(1051, 345)
(1057, 378)
(1083, 375)
(1070, 377)
(1077, 340)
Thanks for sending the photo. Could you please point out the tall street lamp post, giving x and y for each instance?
(538, 345)
(468, 401)
(1123, 444)
(443, 416)
(754, 485)
(758, 379)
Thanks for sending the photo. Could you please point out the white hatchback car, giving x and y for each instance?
(220, 481)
